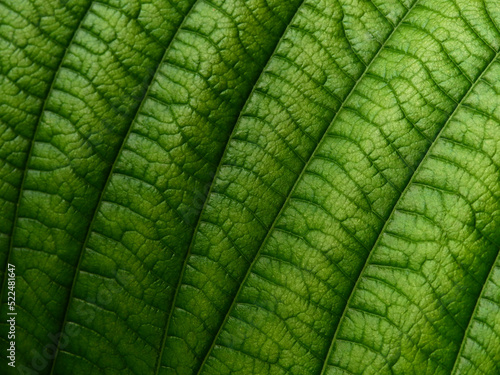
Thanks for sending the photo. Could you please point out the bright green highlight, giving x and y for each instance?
(251, 187)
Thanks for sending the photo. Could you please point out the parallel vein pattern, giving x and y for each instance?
(149, 208)
(26, 77)
(211, 187)
(251, 165)
(96, 92)
(428, 216)
(311, 228)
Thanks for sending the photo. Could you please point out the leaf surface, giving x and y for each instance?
(251, 187)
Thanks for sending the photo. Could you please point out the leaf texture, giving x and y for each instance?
(251, 187)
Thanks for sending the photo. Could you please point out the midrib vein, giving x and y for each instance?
(401, 195)
(299, 177)
(32, 143)
(108, 179)
(198, 221)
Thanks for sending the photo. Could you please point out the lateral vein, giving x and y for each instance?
(285, 203)
(402, 194)
(108, 179)
(31, 146)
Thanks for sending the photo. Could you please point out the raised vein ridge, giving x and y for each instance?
(32, 142)
(474, 311)
(108, 178)
(283, 206)
(179, 283)
(401, 195)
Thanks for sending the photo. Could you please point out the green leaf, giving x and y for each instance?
(250, 187)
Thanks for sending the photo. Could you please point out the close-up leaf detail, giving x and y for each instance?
(212, 187)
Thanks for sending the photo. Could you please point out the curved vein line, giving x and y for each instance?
(285, 203)
(195, 231)
(108, 179)
(32, 143)
(474, 311)
(403, 193)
